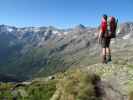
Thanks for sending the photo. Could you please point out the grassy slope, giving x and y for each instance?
(76, 84)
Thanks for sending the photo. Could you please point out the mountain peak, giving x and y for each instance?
(80, 26)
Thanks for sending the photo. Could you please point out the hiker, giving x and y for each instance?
(107, 32)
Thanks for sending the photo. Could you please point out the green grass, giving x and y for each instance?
(41, 91)
(5, 91)
(73, 84)
(130, 96)
(36, 91)
(76, 85)
(130, 66)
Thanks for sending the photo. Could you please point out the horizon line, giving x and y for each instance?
(58, 27)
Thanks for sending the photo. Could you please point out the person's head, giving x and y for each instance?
(105, 16)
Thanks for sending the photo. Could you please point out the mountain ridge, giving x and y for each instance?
(47, 50)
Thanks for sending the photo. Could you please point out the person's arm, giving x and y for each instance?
(99, 36)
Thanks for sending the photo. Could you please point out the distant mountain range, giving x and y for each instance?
(40, 51)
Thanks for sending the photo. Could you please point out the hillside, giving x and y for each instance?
(42, 51)
(94, 82)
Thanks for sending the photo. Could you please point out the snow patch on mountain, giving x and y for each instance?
(55, 32)
(9, 29)
(36, 29)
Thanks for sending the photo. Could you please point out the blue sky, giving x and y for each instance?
(62, 13)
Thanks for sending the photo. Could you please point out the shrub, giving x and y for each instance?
(131, 96)
(77, 85)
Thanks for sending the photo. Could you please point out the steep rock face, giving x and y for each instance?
(126, 30)
(126, 27)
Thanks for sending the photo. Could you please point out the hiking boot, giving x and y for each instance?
(109, 58)
(104, 59)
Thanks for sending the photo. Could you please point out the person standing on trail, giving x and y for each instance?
(107, 32)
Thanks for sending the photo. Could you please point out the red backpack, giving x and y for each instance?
(108, 29)
(112, 26)
(104, 28)
(103, 25)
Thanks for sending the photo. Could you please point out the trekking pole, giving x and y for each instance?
(98, 45)
(117, 31)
